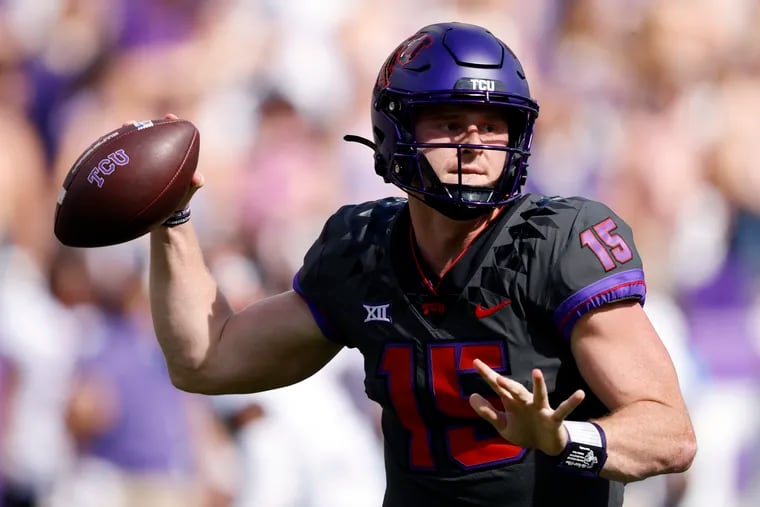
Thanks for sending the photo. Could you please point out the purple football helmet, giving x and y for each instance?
(450, 63)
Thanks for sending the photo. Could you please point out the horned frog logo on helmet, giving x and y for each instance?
(403, 55)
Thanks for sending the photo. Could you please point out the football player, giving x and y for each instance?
(502, 332)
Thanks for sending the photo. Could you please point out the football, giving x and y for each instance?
(126, 182)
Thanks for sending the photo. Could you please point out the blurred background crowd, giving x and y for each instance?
(652, 106)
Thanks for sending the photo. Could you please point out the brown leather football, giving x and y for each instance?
(126, 183)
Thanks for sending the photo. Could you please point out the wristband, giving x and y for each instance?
(586, 449)
(177, 218)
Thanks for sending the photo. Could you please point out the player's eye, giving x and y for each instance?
(453, 127)
(496, 131)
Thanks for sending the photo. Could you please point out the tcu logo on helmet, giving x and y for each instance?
(107, 166)
(483, 85)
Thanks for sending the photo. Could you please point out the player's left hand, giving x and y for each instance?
(527, 419)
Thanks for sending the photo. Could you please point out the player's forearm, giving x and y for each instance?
(647, 438)
(188, 310)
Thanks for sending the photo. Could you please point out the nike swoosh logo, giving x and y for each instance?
(481, 312)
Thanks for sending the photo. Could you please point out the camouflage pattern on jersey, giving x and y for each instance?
(512, 300)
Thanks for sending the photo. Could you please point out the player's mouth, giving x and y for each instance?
(467, 170)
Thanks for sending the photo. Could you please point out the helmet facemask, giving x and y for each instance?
(412, 171)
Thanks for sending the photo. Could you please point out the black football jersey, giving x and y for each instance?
(511, 300)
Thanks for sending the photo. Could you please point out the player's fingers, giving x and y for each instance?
(566, 407)
(499, 383)
(171, 116)
(197, 181)
(484, 409)
(516, 389)
(492, 378)
(488, 374)
(540, 393)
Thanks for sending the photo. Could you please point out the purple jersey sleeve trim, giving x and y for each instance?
(319, 317)
(624, 285)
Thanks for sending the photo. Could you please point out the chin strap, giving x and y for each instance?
(361, 140)
(456, 211)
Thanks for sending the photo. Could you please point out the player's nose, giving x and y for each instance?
(472, 136)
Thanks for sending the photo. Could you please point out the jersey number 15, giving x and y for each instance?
(447, 363)
(607, 245)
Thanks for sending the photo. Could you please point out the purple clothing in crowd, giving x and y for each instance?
(719, 316)
(151, 22)
(151, 431)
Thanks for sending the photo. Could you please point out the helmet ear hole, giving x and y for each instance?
(380, 167)
(379, 135)
(380, 162)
